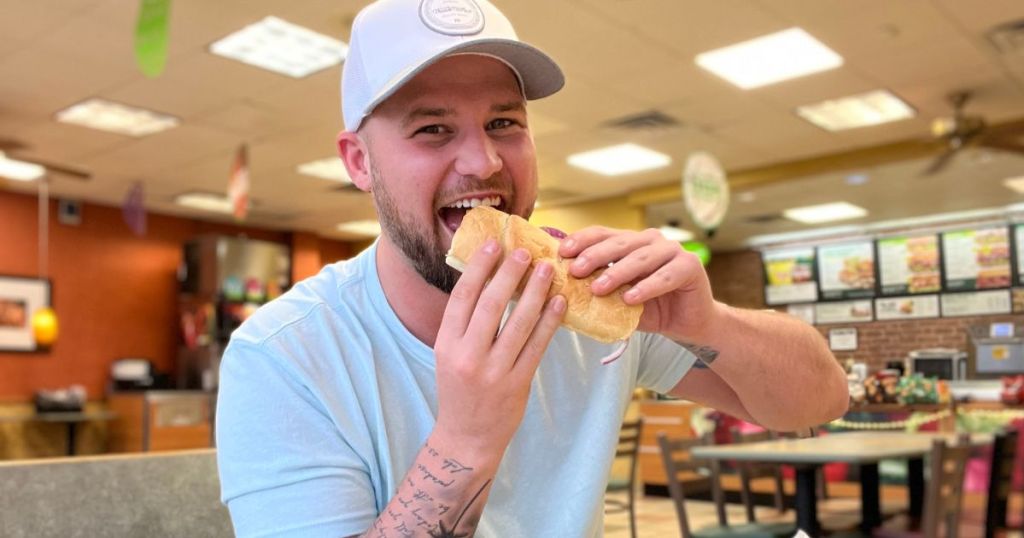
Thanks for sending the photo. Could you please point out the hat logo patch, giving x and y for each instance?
(452, 17)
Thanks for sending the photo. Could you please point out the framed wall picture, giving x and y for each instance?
(20, 297)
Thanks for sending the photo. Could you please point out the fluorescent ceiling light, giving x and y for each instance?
(20, 170)
(620, 159)
(1015, 183)
(206, 201)
(871, 108)
(674, 233)
(116, 118)
(281, 47)
(815, 214)
(365, 228)
(330, 168)
(769, 59)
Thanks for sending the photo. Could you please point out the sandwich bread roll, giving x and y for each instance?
(605, 319)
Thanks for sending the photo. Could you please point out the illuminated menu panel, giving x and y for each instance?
(976, 259)
(790, 276)
(909, 264)
(847, 271)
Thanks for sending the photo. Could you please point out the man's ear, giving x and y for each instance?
(354, 153)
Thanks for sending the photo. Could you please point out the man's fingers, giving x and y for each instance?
(537, 343)
(494, 299)
(467, 290)
(677, 274)
(525, 316)
(635, 266)
(610, 250)
(575, 242)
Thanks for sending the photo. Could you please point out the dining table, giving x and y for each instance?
(862, 448)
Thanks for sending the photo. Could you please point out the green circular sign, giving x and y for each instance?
(700, 249)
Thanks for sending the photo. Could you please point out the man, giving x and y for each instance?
(391, 396)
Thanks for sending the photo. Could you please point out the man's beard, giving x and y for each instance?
(423, 247)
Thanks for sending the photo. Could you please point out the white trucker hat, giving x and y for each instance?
(393, 40)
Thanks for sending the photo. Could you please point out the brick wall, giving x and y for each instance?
(737, 278)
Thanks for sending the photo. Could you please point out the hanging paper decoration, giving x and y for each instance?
(133, 209)
(151, 36)
(238, 184)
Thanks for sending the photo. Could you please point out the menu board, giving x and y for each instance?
(1018, 231)
(976, 259)
(909, 264)
(843, 312)
(977, 303)
(847, 271)
(803, 312)
(790, 276)
(909, 307)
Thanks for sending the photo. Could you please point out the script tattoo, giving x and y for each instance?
(706, 354)
(444, 532)
(429, 492)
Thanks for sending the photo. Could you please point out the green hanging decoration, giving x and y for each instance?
(151, 36)
(700, 249)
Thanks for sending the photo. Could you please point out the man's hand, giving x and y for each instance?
(483, 375)
(669, 281)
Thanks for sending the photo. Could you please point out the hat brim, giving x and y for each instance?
(538, 74)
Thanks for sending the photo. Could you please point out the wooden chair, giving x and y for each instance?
(943, 496)
(750, 471)
(628, 449)
(675, 455)
(945, 492)
(1000, 482)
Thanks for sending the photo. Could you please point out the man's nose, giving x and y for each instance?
(477, 156)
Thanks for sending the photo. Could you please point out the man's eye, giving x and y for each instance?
(431, 129)
(502, 123)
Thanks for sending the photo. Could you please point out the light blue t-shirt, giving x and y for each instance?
(326, 399)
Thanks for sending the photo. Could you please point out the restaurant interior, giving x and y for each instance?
(167, 167)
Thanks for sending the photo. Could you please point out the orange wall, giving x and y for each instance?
(115, 294)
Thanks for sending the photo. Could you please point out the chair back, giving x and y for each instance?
(945, 487)
(1000, 481)
(680, 466)
(750, 471)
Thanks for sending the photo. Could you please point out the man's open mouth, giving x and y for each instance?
(451, 215)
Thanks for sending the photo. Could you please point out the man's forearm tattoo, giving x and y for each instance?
(706, 354)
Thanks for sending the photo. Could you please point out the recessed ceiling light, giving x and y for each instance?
(281, 47)
(675, 233)
(116, 118)
(330, 168)
(769, 59)
(20, 170)
(1015, 183)
(364, 228)
(619, 160)
(871, 108)
(206, 201)
(815, 214)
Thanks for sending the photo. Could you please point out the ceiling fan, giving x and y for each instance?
(8, 145)
(961, 131)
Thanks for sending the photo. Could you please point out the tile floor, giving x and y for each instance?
(656, 518)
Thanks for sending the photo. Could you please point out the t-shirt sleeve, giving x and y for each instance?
(285, 469)
(662, 363)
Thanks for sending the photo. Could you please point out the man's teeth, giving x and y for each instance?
(493, 201)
